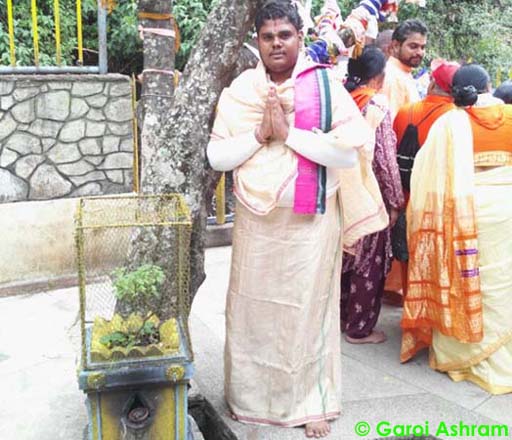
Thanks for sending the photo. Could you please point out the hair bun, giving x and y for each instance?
(464, 95)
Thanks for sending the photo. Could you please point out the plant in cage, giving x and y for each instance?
(137, 331)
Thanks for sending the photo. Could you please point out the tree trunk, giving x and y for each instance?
(158, 84)
(175, 138)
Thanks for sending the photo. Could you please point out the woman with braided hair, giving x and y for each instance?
(459, 221)
(364, 273)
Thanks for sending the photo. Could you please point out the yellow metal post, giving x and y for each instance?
(220, 201)
(79, 32)
(35, 34)
(56, 15)
(136, 186)
(498, 77)
(10, 24)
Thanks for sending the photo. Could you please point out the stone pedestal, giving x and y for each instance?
(143, 399)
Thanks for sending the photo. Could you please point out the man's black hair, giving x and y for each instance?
(278, 9)
(408, 27)
(504, 92)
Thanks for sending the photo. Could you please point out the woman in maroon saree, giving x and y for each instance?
(364, 273)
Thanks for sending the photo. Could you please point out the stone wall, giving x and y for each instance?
(64, 136)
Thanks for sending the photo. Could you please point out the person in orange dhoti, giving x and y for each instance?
(422, 114)
(459, 221)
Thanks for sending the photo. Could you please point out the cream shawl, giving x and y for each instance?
(260, 181)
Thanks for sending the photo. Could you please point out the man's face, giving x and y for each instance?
(412, 50)
(279, 44)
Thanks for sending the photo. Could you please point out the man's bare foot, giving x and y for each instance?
(375, 337)
(317, 429)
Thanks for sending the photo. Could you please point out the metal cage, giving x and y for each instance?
(125, 233)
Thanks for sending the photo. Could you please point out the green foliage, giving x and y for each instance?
(462, 30)
(115, 339)
(467, 30)
(137, 290)
(345, 7)
(23, 32)
(147, 334)
(191, 16)
(139, 287)
(123, 45)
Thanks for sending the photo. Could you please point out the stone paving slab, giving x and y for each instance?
(376, 387)
(41, 400)
(38, 344)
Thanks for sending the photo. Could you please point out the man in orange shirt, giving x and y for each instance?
(422, 114)
(437, 102)
(407, 51)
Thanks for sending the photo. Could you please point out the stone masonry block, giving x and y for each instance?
(64, 85)
(12, 188)
(120, 129)
(89, 177)
(110, 144)
(86, 88)
(53, 105)
(89, 189)
(26, 93)
(24, 112)
(120, 89)
(97, 101)
(73, 131)
(127, 145)
(45, 128)
(79, 108)
(47, 183)
(95, 129)
(115, 176)
(78, 168)
(95, 115)
(90, 146)
(6, 87)
(94, 160)
(48, 143)
(25, 166)
(24, 143)
(7, 157)
(119, 110)
(117, 161)
(7, 126)
(64, 153)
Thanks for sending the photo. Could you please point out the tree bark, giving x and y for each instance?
(158, 84)
(174, 140)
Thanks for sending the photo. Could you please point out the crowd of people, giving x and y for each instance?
(336, 172)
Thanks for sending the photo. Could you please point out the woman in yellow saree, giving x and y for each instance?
(459, 301)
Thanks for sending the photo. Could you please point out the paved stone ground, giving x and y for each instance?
(41, 401)
(376, 387)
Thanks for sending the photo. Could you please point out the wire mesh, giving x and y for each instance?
(139, 245)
